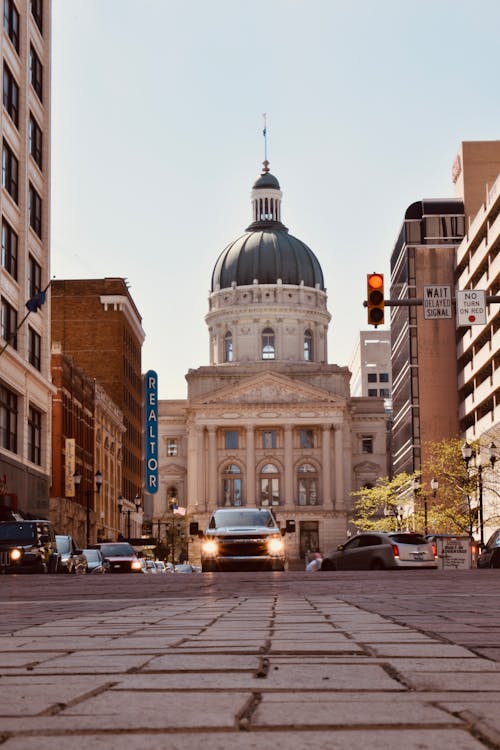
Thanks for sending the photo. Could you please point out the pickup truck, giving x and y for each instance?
(241, 538)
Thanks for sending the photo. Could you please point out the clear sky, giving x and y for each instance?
(157, 138)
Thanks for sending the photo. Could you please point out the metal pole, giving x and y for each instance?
(481, 519)
(88, 518)
(426, 530)
(128, 525)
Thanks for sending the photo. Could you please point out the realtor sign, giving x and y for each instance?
(471, 307)
(437, 302)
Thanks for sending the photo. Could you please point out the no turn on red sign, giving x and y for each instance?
(471, 307)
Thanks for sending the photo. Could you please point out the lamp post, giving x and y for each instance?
(398, 512)
(128, 511)
(77, 478)
(467, 454)
(417, 489)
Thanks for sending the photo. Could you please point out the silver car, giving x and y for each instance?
(377, 550)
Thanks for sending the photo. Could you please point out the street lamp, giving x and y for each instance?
(467, 454)
(77, 478)
(137, 501)
(417, 489)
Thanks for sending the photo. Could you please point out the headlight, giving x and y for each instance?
(210, 547)
(136, 565)
(15, 554)
(276, 546)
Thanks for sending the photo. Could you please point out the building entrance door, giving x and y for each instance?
(308, 537)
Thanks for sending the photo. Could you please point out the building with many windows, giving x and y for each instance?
(25, 387)
(269, 422)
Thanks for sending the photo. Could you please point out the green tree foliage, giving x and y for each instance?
(384, 506)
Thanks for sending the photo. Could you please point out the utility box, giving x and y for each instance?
(454, 551)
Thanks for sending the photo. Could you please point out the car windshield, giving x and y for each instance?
(63, 544)
(121, 549)
(92, 555)
(243, 518)
(408, 538)
(17, 532)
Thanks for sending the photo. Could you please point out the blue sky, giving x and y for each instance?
(157, 138)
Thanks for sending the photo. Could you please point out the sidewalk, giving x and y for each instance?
(203, 669)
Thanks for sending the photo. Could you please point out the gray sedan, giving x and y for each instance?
(376, 550)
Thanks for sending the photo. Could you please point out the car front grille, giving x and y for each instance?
(238, 547)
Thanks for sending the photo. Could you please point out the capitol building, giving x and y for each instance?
(269, 422)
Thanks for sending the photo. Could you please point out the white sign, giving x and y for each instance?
(471, 307)
(437, 302)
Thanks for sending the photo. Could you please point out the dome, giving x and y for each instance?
(267, 252)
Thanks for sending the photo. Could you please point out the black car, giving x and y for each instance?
(490, 554)
(28, 547)
(72, 559)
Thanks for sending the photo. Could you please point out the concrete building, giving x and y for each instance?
(424, 364)
(25, 387)
(370, 366)
(269, 422)
(96, 323)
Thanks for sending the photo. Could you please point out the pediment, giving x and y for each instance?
(269, 388)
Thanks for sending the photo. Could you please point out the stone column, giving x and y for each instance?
(327, 466)
(288, 455)
(212, 466)
(193, 503)
(200, 463)
(250, 461)
(339, 503)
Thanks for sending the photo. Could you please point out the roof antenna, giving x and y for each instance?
(264, 133)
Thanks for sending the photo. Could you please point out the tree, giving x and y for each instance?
(387, 506)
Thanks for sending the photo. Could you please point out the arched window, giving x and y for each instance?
(228, 347)
(307, 485)
(269, 485)
(231, 486)
(268, 351)
(308, 346)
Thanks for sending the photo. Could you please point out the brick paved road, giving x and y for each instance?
(228, 661)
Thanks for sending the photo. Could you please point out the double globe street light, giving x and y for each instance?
(417, 491)
(467, 454)
(128, 511)
(77, 479)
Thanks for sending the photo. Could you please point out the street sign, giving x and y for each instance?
(471, 307)
(437, 302)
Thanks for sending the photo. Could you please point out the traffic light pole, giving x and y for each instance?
(414, 302)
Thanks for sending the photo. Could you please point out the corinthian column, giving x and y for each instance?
(327, 466)
(212, 466)
(250, 461)
(288, 446)
(339, 468)
(200, 463)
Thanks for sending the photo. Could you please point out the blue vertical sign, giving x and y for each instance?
(151, 388)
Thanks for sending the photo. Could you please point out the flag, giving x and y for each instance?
(179, 511)
(36, 301)
(264, 132)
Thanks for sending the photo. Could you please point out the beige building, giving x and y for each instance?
(25, 390)
(269, 422)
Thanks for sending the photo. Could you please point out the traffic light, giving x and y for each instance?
(375, 298)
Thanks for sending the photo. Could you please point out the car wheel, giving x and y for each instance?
(377, 565)
(42, 567)
(207, 567)
(328, 564)
(495, 561)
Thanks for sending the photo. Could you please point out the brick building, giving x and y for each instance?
(97, 324)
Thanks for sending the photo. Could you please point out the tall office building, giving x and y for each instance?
(424, 364)
(25, 390)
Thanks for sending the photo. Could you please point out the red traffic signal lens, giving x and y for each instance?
(375, 281)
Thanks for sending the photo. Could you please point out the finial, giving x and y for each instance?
(265, 167)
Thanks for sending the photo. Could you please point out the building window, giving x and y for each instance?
(269, 485)
(307, 480)
(9, 323)
(367, 444)
(384, 392)
(172, 447)
(228, 347)
(231, 440)
(306, 438)
(35, 140)
(372, 392)
(8, 419)
(37, 13)
(308, 346)
(34, 347)
(35, 436)
(372, 377)
(10, 169)
(35, 211)
(9, 249)
(34, 277)
(11, 22)
(268, 351)
(10, 95)
(269, 439)
(36, 72)
(231, 486)
(384, 377)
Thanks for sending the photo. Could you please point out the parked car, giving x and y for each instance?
(28, 547)
(95, 562)
(121, 557)
(151, 567)
(376, 550)
(160, 567)
(185, 568)
(490, 554)
(72, 559)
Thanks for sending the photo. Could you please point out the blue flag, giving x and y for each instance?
(36, 301)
